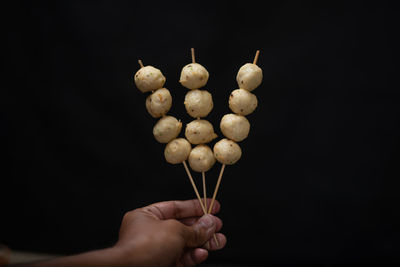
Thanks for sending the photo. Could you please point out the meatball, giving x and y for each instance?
(198, 103)
(242, 102)
(194, 76)
(199, 132)
(177, 150)
(159, 102)
(235, 127)
(249, 76)
(227, 151)
(148, 79)
(166, 129)
(201, 158)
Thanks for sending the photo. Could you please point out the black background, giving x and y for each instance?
(318, 179)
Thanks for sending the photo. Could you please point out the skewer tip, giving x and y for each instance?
(140, 63)
(256, 57)
(193, 57)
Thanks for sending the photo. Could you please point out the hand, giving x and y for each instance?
(172, 233)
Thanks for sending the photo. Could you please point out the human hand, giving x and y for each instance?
(171, 233)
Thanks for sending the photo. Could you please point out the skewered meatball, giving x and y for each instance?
(166, 129)
(242, 102)
(148, 79)
(194, 76)
(227, 151)
(177, 151)
(201, 158)
(198, 103)
(235, 127)
(199, 132)
(249, 76)
(159, 102)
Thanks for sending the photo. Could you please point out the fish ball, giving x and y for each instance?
(166, 129)
(242, 102)
(199, 132)
(177, 150)
(193, 76)
(198, 103)
(227, 151)
(249, 76)
(148, 79)
(159, 102)
(201, 158)
(235, 127)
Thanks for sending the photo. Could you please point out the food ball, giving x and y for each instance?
(249, 76)
(235, 127)
(159, 102)
(177, 150)
(194, 76)
(242, 102)
(199, 132)
(148, 79)
(227, 151)
(201, 158)
(198, 103)
(166, 129)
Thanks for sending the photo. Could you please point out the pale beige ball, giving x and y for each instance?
(242, 102)
(166, 129)
(227, 151)
(249, 76)
(194, 76)
(159, 102)
(235, 127)
(177, 150)
(198, 103)
(201, 158)
(200, 132)
(148, 79)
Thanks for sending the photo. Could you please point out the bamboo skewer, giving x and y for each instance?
(256, 57)
(217, 187)
(193, 57)
(203, 174)
(194, 187)
(140, 63)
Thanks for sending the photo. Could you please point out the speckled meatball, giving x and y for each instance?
(201, 158)
(198, 103)
(242, 102)
(166, 129)
(194, 76)
(177, 150)
(159, 102)
(199, 132)
(227, 151)
(235, 127)
(249, 76)
(148, 79)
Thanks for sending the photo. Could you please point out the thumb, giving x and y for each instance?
(200, 232)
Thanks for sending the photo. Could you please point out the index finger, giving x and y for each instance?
(181, 209)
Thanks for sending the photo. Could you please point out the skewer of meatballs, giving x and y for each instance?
(198, 103)
(235, 126)
(167, 128)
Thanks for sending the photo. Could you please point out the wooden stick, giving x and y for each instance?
(216, 188)
(193, 58)
(194, 187)
(256, 57)
(203, 174)
(140, 63)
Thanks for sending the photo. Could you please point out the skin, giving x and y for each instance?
(171, 233)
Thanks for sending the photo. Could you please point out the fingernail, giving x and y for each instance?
(207, 221)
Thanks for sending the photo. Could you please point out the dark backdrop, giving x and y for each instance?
(318, 180)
